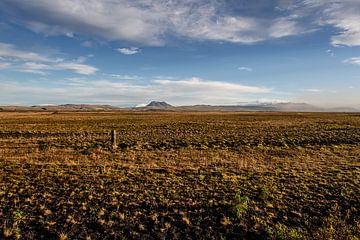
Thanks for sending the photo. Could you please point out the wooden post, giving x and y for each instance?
(113, 139)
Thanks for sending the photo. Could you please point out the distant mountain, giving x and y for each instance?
(159, 104)
(296, 107)
(86, 107)
(210, 108)
(63, 107)
(163, 106)
(249, 107)
(156, 106)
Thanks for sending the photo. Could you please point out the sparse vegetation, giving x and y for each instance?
(179, 176)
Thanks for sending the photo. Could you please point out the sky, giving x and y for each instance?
(184, 52)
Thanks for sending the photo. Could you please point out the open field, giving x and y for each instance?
(179, 175)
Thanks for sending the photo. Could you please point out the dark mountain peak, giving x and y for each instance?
(159, 104)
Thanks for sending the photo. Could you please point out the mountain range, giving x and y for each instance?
(164, 106)
(248, 107)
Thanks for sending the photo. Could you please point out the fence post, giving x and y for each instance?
(113, 139)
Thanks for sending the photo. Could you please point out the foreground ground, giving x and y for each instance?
(179, 176)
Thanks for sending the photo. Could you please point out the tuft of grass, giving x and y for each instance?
(63, 236)
(264, 194)
(241, 205)
(7, 231)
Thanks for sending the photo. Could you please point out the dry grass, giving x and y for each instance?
(180, 175)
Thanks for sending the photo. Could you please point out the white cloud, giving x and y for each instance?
(150, 22)
(154, 22)
(30, 62)
(344, 15)
(141, 105)
(247, 69)
(354, 60)
(32, 67)
(36, 66)
(199, 85)
(313, 90)
(283, 27)
(75, 90)
(348, 22)
(112, 20)
(40, 68)
(227, 28)
(49, 30)
(272, 101)
(9, 51)
(129, 51)
(125, 77)
(77, 67)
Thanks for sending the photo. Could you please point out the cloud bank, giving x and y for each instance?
(30, 62)
(182, 91)
(154, 22)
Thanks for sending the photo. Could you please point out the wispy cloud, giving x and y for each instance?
(246, 69)
(283, 27)
(182, 91)
(77, 67)
(348, 22)
(343, 15)
(199, 85)
(313, 90)
(9, 51)
(40, 68)
(32, 67)
(30, 62)
(129, 51)
(153, 22)
(354, 61)
(125, 77)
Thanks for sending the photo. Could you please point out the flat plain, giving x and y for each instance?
(179, 175)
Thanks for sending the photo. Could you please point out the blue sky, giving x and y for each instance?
(127, 53)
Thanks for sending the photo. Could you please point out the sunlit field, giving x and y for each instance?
(179, 175)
